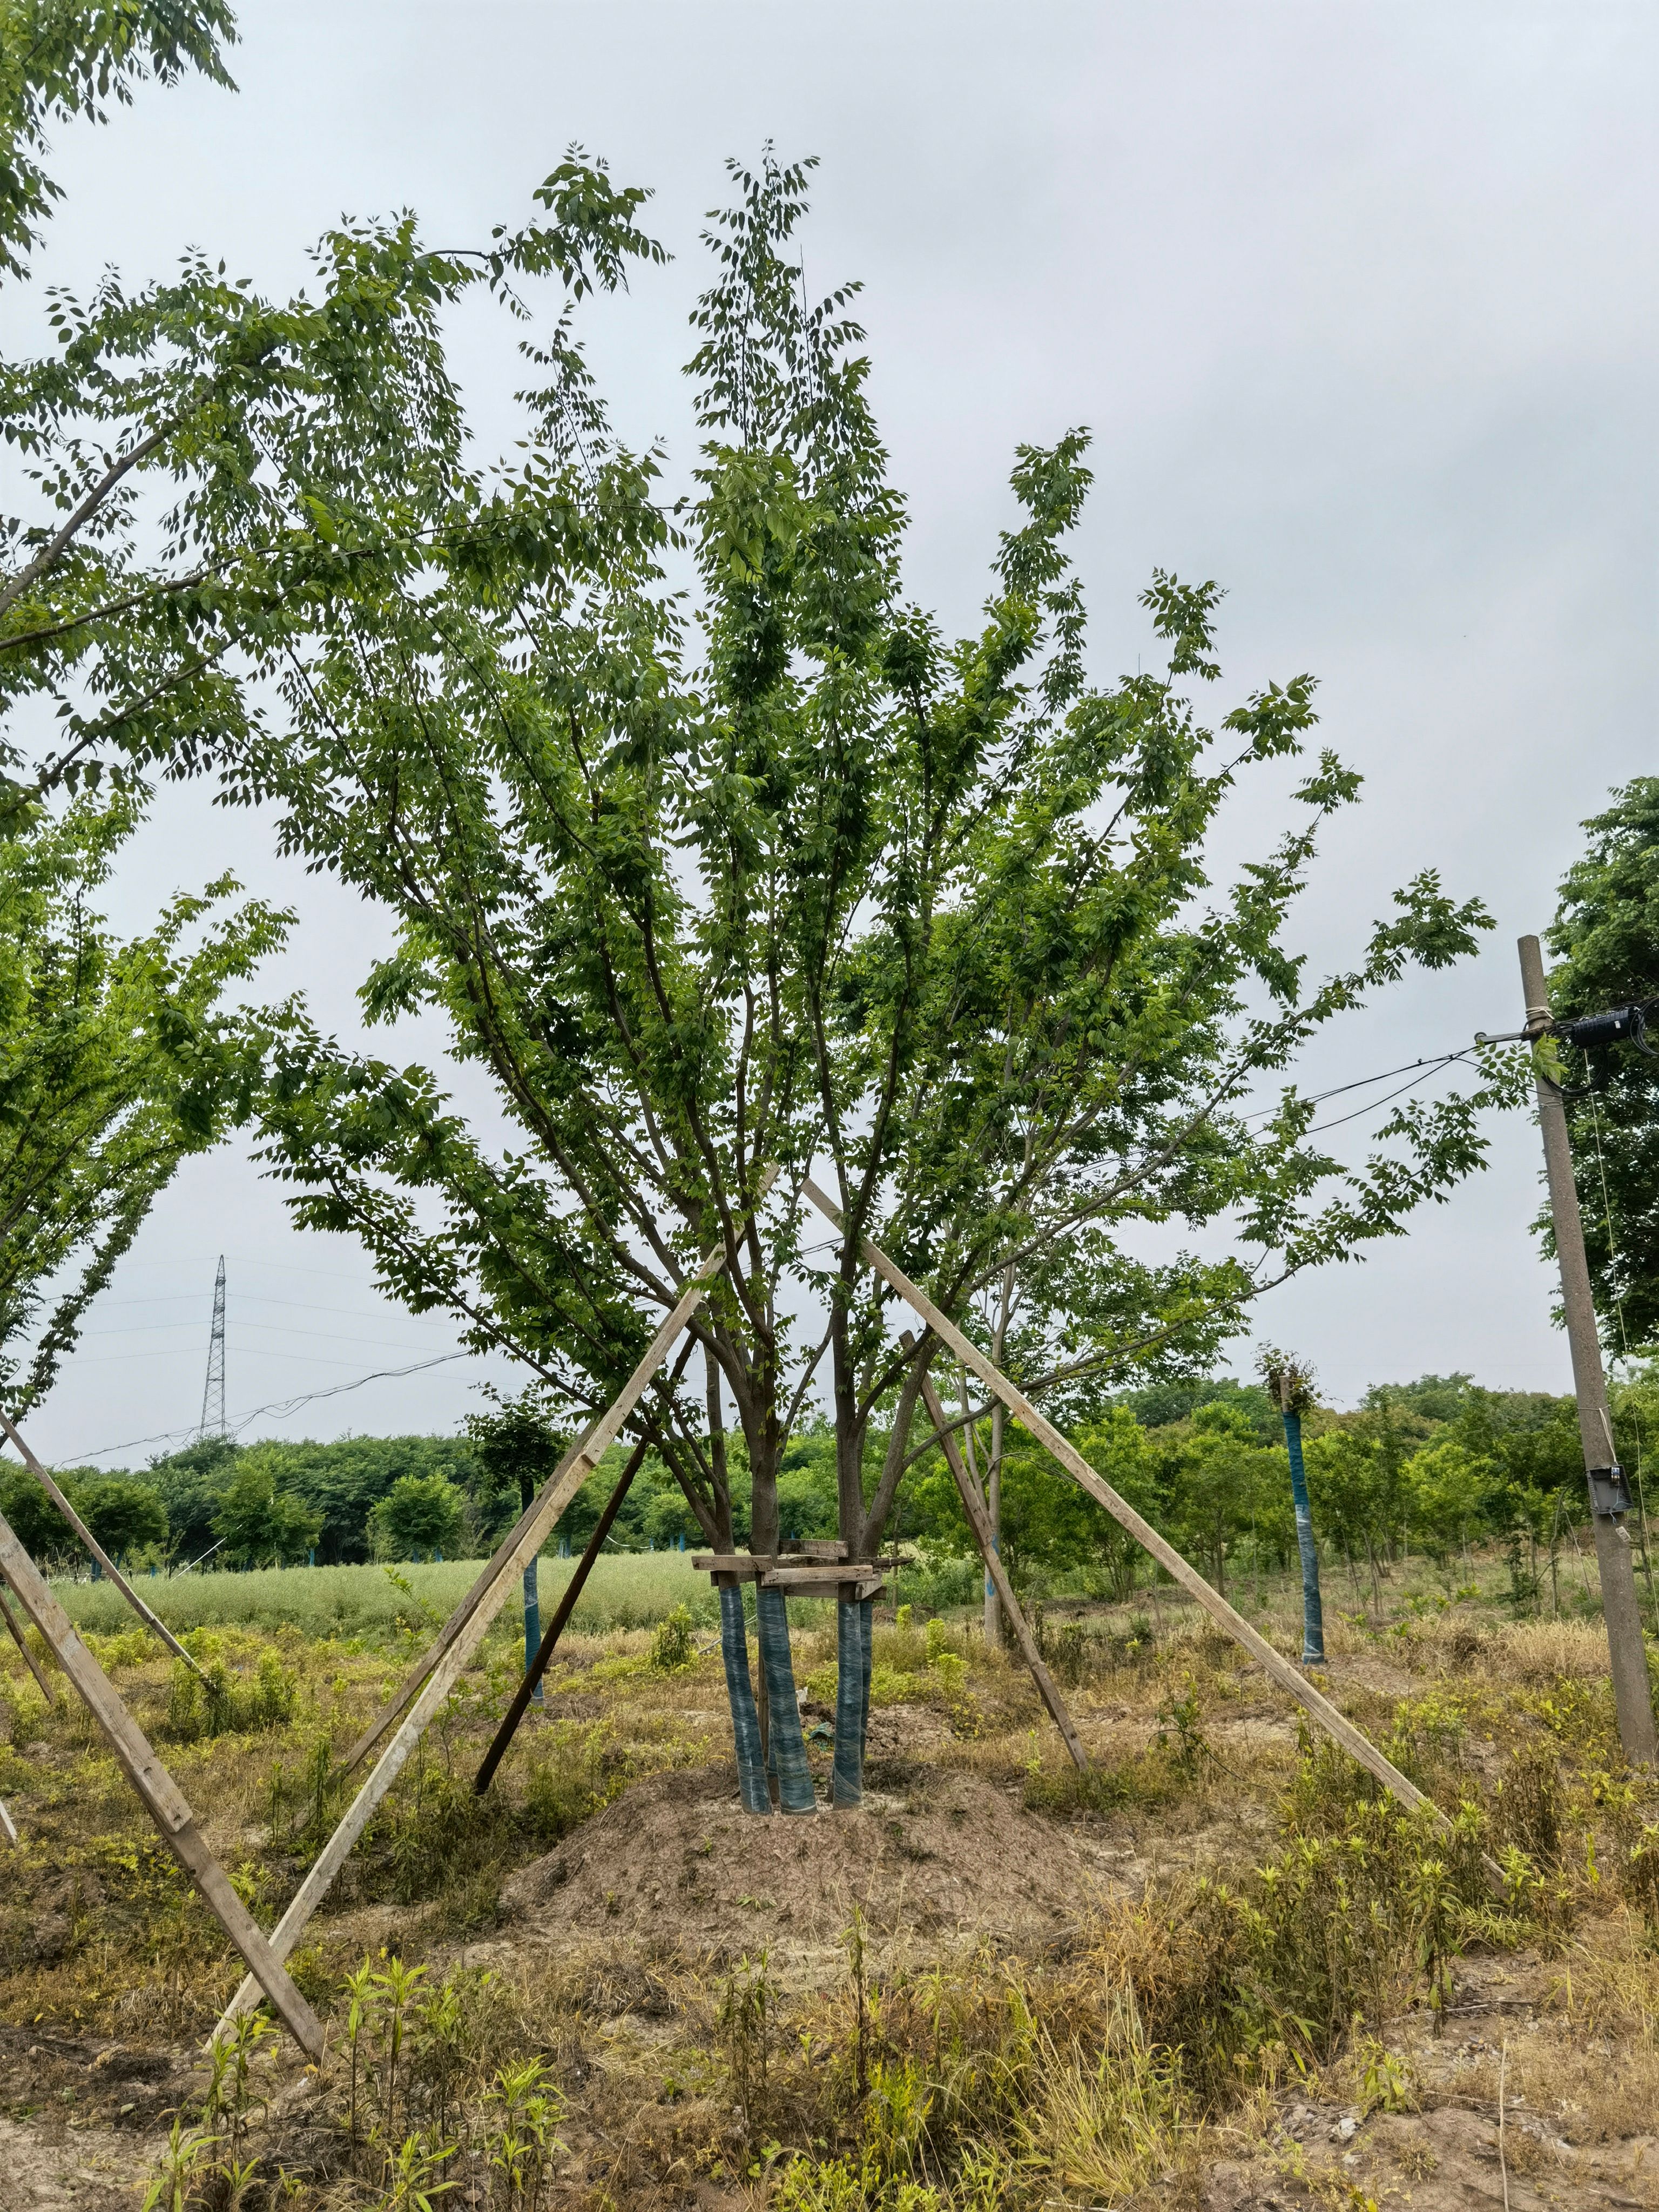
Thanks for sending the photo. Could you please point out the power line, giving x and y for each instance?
(1361, 1083)
(263, 1328)
(246, 1297)
(1319, 1126)
(278, 1407)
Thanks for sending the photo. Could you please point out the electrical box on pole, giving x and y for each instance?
(1610, 1493)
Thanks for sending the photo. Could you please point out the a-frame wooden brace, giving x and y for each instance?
(428, 1684)
(160, 1796)
(426, 1688)
(1319, 1708)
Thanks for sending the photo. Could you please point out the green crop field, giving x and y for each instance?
(632, 1590)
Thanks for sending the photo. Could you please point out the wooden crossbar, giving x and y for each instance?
(1318, 1707)
(150, 1619)
(469, 1624)
(161, 1797)
(979, 1521)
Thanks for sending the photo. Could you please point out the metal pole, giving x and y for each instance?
(1610, 1499)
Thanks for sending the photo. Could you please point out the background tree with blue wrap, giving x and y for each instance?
(715, 855)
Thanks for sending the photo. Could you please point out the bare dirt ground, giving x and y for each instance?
(943, 1858)
(98, 2123)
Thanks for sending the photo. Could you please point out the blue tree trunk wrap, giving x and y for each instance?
(785, 1749)
(1313, 1615)
(847, 1781)
(740, 1695)
(532, 1625)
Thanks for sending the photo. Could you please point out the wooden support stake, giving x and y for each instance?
(33, 1664)
(1319, 1708)
(980, 1520)
(160, 1794)
(566, 1606)
(9, 1825)
(469, 1624)
(100, 1555)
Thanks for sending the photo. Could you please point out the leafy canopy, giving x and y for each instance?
(770, 873)
(1606, 934)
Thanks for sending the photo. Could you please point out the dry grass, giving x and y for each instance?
(1281, 1942)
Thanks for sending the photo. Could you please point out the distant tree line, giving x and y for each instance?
(366, 1497)
(1438, 1468)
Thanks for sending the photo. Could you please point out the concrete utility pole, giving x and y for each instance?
(1610, 1497)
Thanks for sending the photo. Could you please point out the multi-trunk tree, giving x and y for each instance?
(716, 857)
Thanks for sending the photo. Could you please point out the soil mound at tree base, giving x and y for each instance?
(943, 1857)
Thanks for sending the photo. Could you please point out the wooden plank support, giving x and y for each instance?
(798, 1581)
(566, 1605)
(807, 1581)
(18, 1638)
(1318, 1707)
(980, 1520)
(98, 1552)
(454, 1650)
(9, 1825)
(160, 1794)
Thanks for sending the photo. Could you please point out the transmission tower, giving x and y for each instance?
(213, 1391)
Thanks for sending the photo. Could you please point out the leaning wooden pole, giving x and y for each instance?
(17, 1638)
(150, 1619)
(1319, 1708)
(556, 1628)
(491, 1575)
(160, 1796)
(462, 1636)
(980, 1522)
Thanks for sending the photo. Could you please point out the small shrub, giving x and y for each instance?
(674, 1645)
(1527, 1804)
(1638, 1878)
(229, 1705)
(1062, 1792)
(572, 1778)
(748, 2026)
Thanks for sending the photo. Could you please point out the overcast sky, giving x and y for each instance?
(1358, 302)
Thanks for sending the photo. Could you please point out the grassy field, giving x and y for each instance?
(1217, 1970)
(632, 1590)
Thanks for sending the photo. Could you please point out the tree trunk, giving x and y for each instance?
(753, 1763)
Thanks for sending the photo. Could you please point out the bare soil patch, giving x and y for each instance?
(93, 2122)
